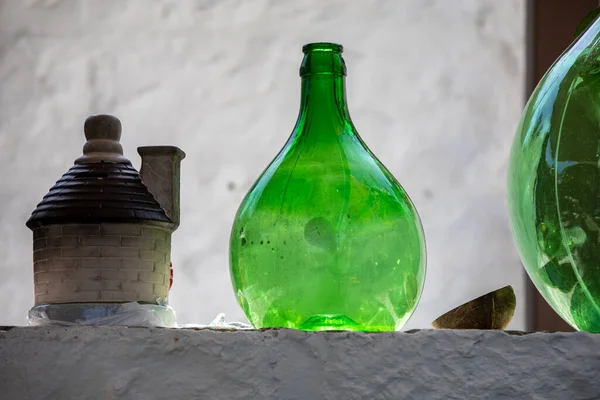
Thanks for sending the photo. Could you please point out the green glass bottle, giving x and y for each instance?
(554, 184)
(327, 239)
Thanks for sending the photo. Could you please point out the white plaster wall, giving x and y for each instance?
(435, 88)
(114, 363)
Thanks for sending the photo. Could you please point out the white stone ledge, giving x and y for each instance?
(140, 363)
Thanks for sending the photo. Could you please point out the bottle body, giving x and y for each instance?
(327, 239)
(554, 184)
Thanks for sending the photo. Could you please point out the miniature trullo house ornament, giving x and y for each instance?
(103, 232)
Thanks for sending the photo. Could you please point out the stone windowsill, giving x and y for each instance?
(141, 363)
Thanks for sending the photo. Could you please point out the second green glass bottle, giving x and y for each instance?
(327, 239)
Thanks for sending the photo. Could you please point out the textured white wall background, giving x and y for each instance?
(41, 363)
(435, 88)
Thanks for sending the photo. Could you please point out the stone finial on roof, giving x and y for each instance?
(103, 133)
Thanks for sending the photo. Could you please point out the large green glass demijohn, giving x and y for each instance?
(554, 184)
(327, 239)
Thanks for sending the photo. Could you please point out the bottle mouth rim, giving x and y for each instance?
(323, 47)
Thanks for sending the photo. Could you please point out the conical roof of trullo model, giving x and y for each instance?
(102, 185)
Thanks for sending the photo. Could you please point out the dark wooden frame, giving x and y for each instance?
(551, 26)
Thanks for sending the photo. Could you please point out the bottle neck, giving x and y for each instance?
(323, 108)
(323, 100)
